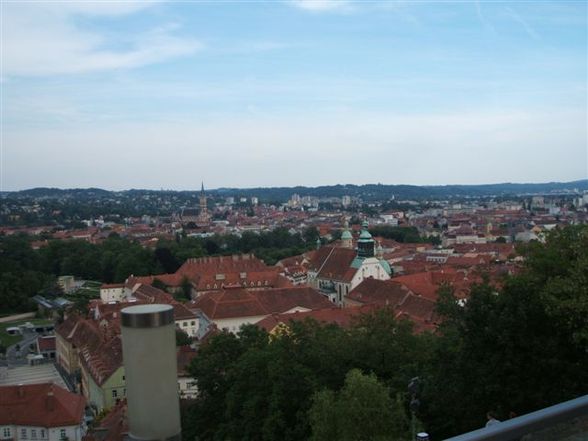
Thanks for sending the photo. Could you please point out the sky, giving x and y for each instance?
(165, 94)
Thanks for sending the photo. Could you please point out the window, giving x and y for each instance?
(193, 323)
(6, 432)
(34, 433)
(42, 433)
(184, 324)
(62, 434)
(114, 393)
(23, 433)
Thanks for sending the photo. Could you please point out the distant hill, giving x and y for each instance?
(366, 192)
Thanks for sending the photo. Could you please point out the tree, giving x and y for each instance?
(362, 410)
(182, 339)
(519, 348)
(311, 234)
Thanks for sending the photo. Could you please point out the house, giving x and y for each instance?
(391, 294)
(344, 317)
(103, 374)
(229, 309)
(185, 319)
(114, 292)
(335, 271)
(41, 411)
(46, 346)
(70, 337)
(114, 426)
(246, 271)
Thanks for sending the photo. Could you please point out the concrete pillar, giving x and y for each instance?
(149, 357)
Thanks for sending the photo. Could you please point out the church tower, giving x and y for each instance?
(203, 216)
(365, 244)
(346, 237)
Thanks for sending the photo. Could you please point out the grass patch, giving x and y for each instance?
(91, 284)
(9, 340)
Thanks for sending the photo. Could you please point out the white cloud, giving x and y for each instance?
(526, 26)
(45, 39)
(321, 5)
(268, 151)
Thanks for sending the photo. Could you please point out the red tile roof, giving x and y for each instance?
(80, 332)
(151, 294)
(333, 263)
(379, 292)
(112, 285)
(185, 355)
(249, 303)
(247, 271)
(339, 316)
(46, 343)
(389, 293)
(41, 405)
(104, 361)
(427, 283)
(113, 427)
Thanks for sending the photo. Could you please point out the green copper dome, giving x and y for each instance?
(346, 235)
(365, 234)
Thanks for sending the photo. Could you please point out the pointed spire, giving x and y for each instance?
(202, 189)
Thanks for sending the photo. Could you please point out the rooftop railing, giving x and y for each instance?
(567, 421)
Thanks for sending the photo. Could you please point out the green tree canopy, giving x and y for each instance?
(361, 411)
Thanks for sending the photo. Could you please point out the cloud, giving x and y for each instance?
(46, 39)
(258, 151)
(482, 18)
(526, 26)
(322, 5)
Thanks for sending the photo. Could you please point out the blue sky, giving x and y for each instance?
(166, 94)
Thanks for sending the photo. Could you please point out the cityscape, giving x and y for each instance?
(324, 220)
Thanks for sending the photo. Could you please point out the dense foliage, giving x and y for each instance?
(516, 349)
(252, 387)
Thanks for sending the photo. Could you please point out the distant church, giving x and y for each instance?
(335, 271)
(200, 217)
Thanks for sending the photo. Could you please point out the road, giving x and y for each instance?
(18, 357)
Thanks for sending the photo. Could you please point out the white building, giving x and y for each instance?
(42, 412)
(114, 292)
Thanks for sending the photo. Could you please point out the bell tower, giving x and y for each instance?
(203, 216)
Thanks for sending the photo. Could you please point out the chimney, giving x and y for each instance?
(20, 391)
(50, 400)
(149, 351)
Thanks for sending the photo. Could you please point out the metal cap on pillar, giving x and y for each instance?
(149, 358)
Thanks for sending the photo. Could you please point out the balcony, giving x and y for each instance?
(567, 421)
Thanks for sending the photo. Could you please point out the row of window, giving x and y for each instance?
(215, 286)
(34, 433)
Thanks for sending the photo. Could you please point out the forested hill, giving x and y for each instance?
(366, 192)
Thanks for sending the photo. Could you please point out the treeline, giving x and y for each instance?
(511, 351)
(25, 272)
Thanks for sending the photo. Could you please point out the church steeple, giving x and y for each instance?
(346, 237)
(365, 243)
(203, 217)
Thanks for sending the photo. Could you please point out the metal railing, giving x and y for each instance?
(531, 423)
